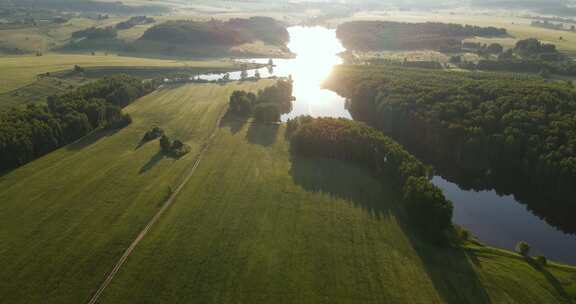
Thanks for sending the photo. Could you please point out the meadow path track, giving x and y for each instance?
(96, 296)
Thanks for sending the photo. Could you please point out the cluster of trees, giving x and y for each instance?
(534, 48)
(134, 21)
(354, 141)
(528, 56)
(96, 33)
(384, 35)
(30, 132)
(266, 106)
(153, 134)
(217, 32)
(486, 123)
(174, 148)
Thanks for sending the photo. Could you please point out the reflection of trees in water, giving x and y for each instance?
(556, 211)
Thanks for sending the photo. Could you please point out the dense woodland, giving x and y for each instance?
(96, 33)
(216, 32)
(266, 106)
(30, 132)
(384, 35)
(488, 125)
(354, 141)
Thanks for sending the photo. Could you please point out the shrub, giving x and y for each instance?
(156, 132)
(541, 260)
(523, 248)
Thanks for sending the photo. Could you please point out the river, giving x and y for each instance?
(497, 220)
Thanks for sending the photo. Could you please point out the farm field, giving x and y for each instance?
(259, 225)
(67, 217)
(18, 71)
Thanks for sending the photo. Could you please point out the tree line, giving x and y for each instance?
(353, 141)
(266, 106)
(480, 122)
(96, 33)
(37, 129)
(386, 35)
(217, 32)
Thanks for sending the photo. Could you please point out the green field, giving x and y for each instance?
(257, 224)
(19, 71)
(67, 217)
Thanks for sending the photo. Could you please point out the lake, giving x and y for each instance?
(497, 220)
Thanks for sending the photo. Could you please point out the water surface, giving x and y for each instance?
(316, 50)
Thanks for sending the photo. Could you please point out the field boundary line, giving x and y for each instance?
(96, 296)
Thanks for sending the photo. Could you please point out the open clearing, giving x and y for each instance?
(67, 217)
(256, 225)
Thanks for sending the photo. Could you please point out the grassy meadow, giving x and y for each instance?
(257, 224)
(18, 71)
(67, 217)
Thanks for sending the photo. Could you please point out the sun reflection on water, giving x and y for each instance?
(316, 50)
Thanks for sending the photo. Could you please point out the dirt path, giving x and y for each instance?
(167, 204)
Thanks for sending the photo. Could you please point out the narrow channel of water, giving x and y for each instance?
(496, 220)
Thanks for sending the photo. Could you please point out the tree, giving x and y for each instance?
(495, 48)
(541, 260)
(267, 112)
(165, 144)
(427, 205)
(523, 248)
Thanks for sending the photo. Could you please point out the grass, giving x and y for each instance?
(18, 71)
(259, 225)
(67, 217)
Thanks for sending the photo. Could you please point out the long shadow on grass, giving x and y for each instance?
(450, 268)
(233, 122)
(344, 181)
(262, 134)
(550, 278)
(90, 139)
(155, 159)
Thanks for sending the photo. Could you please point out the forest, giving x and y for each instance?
(356, 142)
(217, 32)
(385, 35)
(482, 123)
(35, 130)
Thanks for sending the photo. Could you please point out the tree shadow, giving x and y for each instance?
(154, 160)
(262, 134)
(233, 122)
(344, 181)
(550, 278)
(449, 267)
(91, 138)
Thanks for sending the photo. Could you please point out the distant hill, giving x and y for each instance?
(220, 33)
(87, 6)
(384, 35)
